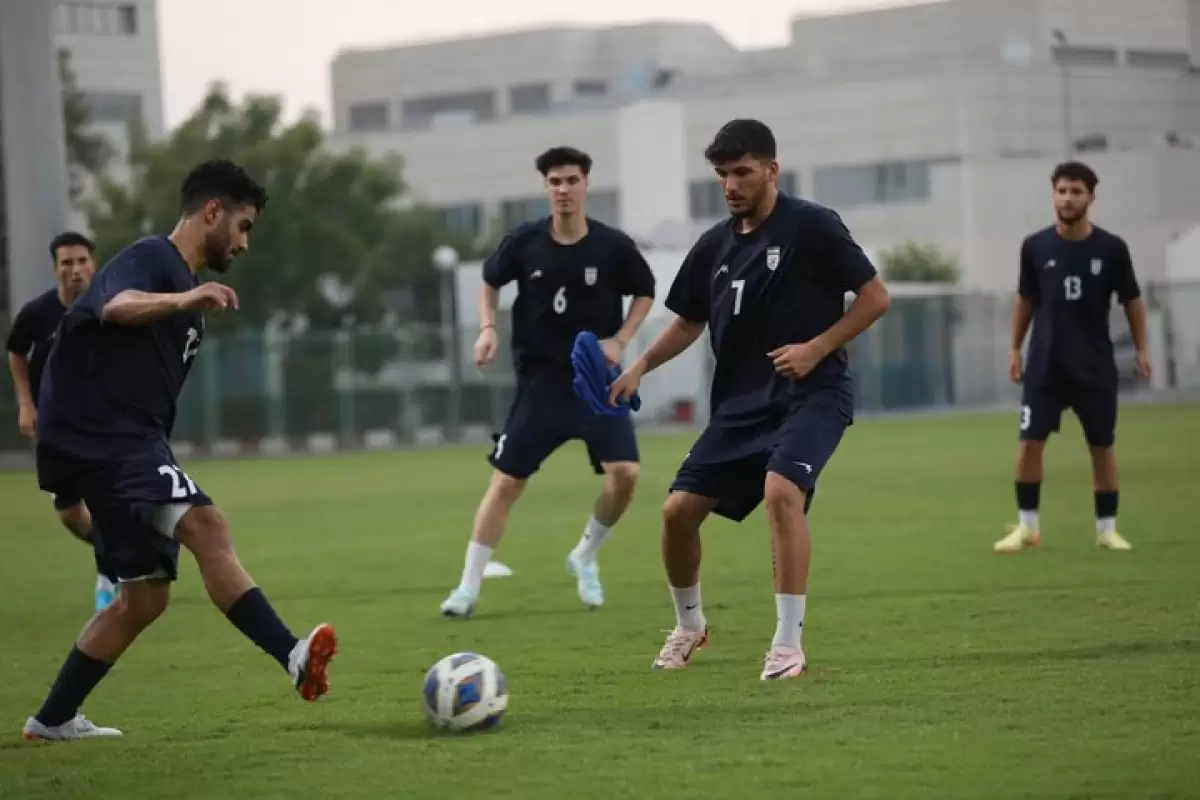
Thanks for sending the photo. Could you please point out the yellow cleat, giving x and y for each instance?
(1019, 537)
(1111, 540)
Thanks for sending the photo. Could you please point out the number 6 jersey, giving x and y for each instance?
(107, 385)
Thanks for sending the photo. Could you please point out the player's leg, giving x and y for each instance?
(806, 444)
(612, 447)
(203, 530)
(74, 515)
(1097, 413)
(1041, 412)
(530, 435)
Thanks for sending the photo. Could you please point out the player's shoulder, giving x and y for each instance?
(46, 301)
(1040, 237)
(1108, 240)
(530, 231)
(150, 249)
(610, 234)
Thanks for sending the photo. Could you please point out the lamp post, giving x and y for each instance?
(1060, 39)
(445, 261)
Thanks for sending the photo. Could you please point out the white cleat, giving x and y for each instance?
(783, 662)
(71, 730)
(460, 603)
(587, 579)
(1111, 540)
(679, 647)
(1018, 538)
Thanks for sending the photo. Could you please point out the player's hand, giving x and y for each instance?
(209, 297)
(613, 350)
(1014, 366)
(27, 420)
(485, 347)
(1142, 364)
(624, 386)
(797, 360)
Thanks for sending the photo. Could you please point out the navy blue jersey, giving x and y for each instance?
(32, 332)
(565, 289)
(107, 385)
(783, 283)
(1070, 285)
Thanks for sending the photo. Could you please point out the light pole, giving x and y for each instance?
(1060, 39)
(445, 261)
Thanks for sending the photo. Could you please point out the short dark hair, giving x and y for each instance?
(1075, 171)
(563, 157)
(70, 239)
(222, 180)
(738, 138)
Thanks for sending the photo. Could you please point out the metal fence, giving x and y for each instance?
(378, 387)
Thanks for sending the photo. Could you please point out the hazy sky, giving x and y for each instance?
(285, 46)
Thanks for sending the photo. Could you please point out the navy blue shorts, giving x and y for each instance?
(136, 498)
(730, 465)
(544, 416)
(1095, 407)
(64, 501)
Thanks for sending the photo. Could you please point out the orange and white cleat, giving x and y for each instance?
(1019, 537)
(309, 662)
(681, 644)
(72, 730)
(783, 662)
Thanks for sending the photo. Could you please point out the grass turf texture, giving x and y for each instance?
(938, 668)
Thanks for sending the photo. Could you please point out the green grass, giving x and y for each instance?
(938, 669)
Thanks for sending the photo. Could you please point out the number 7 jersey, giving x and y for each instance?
(1070, 285)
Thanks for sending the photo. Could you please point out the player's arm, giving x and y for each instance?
(1028, 294)
(499, 270)
(853, 272)
(1129, 293)
(131, 294)
(637, 282)
(20, 339)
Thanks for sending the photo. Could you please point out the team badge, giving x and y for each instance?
(1097, 265)
(772, 258)
(590, 274)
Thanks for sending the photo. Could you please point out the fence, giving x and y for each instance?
(388, 387)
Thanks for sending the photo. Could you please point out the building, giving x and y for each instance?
(937, 122)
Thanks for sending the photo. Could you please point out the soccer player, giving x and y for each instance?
(572, 275)
(770, 283)
(105, 417)
(28, 345)
(1069, 274)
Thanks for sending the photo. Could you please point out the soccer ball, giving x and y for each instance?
(465, 692)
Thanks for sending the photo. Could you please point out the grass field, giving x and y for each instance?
(938, 669)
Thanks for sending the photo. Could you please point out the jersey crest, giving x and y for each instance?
(590, 274)
(1097, 265)
(772, 258)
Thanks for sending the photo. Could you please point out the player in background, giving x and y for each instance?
(105, 417)
(1069, 274)
(28, 344)
(572, 274)
(770, 283)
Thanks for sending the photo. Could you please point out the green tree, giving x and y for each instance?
(922, 263)
(88, 152)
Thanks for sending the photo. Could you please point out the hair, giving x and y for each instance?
(738, 138)
(220, 180)
(563, 157)
(1075, 171)
(70, 239)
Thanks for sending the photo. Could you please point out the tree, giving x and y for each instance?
(88, 152)
(916, 262)
(332, 218)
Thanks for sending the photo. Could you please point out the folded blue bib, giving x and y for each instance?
(594, 377)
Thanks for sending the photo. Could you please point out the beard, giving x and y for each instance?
(216, 252)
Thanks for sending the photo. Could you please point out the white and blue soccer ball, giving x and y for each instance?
(465, 692)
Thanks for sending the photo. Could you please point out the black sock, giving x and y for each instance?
(78, 677)
(1106, 505)
(1029, 495)
(252, 615)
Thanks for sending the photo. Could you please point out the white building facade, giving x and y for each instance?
(938, 122)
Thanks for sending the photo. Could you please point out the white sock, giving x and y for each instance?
(594, 535)
(478, 555)
(789, 620)
(1029, 519)
(688, 610)
(1106, 524)
(103, 584)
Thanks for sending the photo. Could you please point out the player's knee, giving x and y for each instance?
(622, 476)
(204, 531)
(682, 513)
(142, 602)
(781, 496)
(505, 488)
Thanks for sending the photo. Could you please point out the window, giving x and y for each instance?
(605, 205)
(1084, 56)
(94, 19)
(789, 184)
(1158, 59)
(529, 98)
(705, 199)
(113, 107)
(872, 184)
(367, 117)
(466, 218)
(590, 88)
(523, 209)
(422, 113)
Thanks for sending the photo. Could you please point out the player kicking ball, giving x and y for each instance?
(28, 345)
(1069, 274)
(572, 274)
(770, 283)
(108, 403)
